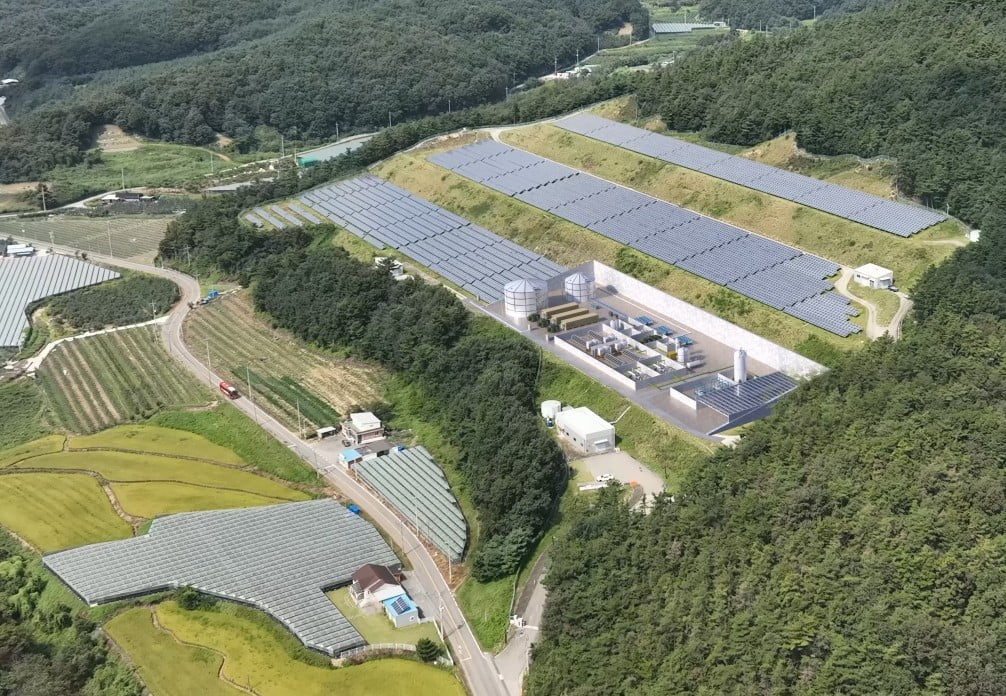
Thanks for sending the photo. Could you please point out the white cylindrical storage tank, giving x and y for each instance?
(683, 355)
(523, 297)
(550, 408)
(740, 366)
(578, 288)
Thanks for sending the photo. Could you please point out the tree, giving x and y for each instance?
(427, 650)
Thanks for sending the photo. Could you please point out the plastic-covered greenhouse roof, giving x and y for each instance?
(278, 558)
(414, 484)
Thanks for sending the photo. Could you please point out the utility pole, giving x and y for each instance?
(282, 146)
(300, 425)
(578, 59)
(448, 105)
(209, 361)
(389, 118)
(556, 66)
(336, 131)
(251, 393)
(108, 227)
(122, 172)
(598, 43)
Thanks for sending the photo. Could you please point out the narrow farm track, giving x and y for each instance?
(477, 668)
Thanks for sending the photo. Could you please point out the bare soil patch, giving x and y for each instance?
(111, 138)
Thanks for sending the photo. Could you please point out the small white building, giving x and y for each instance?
(585, 429)
(873, 276)
(362, 428)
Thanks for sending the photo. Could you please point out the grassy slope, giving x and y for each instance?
(885, 301)
(23, 407)
(163, 498)
(255, 654)
(570, 244)
(148, 438)
(228, 427)
(849, 243)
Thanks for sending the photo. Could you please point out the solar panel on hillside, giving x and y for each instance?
(897, 218)
(763, 269)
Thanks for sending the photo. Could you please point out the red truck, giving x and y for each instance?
(229, 391)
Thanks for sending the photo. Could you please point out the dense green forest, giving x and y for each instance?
(46, 649)
(853, 542)
(183, 71)
(479, 388)
(918, 81)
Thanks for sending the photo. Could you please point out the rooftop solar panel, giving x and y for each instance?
(737, 399)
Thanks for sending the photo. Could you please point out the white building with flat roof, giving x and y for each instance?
(873, 276)
(585, 429)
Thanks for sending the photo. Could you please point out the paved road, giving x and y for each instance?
(477, 668)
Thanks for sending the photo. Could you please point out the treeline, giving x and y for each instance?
(129, 300)
(852, 543)
(909, 80)
(304, 71)
(769, 14)
(46, 649)
(480, 389)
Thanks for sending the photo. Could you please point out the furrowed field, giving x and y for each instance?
(134, 238)
(283, 371)
(95, 382)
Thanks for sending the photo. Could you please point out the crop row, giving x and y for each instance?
(129, 237)
(122, 376)
(288, 395)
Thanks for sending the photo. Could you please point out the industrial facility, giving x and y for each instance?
(674, 358)
(586, 430)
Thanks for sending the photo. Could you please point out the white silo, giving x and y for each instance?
(550, 408)
(740, 366)
(578, 288)
(523, 297)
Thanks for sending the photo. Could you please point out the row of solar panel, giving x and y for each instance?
(733, 400)
(387, 216)
(761, 268)
(890, 216)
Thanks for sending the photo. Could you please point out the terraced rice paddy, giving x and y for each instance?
(96, 382)
(57, 493)
(134, 238)
(284, 372)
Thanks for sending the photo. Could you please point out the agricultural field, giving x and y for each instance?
(134, 238)
(96, 382)
(570, 245)
(24, 413)
(660, 48)
(57, 493)
(846, 242)
(238, 646)
(284, 372)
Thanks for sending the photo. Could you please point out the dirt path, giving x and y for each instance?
(873, 328)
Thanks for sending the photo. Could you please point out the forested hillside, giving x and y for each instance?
(853, 542)
(919, 81)
(766, 14)
(183, 71)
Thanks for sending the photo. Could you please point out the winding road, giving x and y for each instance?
(478, 668)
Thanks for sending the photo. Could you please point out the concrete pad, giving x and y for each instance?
(625, 469)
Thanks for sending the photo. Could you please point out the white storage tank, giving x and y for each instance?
(579, 288)
(550, 408)
(523, 297)
(740, 366)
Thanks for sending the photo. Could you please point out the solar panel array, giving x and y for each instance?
(385, 215)
(733, 400)
(415, 485)
(890, 216)
(24, 280)
(277, 558)
(761, 268)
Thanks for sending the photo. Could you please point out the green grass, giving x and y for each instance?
(56, 511)
(23, 409)
(570, 245)
(657, 49)
(486, 605)
(158, 656)
(257, 652)
(156, 440)
(886, 302)
(228, 427)
(841, 240)
(152, 164)
(375, 626)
